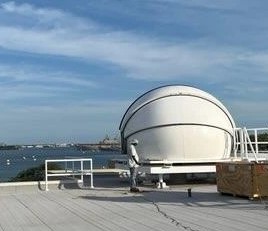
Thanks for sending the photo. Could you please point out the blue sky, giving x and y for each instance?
(69, 69)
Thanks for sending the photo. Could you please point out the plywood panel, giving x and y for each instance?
(243, 178)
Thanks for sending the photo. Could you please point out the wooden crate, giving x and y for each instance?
(243, 178)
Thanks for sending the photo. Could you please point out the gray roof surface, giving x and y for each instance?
(110, 206)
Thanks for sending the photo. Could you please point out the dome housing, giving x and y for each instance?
(178, 124)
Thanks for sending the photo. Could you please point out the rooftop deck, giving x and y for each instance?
(110, 206)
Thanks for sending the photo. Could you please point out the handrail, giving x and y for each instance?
(242, 143)
(82, 171)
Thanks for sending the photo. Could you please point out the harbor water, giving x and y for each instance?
(14, 161)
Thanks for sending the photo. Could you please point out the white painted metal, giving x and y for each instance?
(244, 149)
(205, 168)
(178, 124)
(73, 172)
(248, 149)
(161, 184)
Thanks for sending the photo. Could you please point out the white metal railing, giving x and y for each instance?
(70, 172)
(247, 148)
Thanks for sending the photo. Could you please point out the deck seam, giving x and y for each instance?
(29, 209)
(172, 219)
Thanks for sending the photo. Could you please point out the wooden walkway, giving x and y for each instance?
(110, 206)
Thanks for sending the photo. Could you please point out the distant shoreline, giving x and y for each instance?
(100, 147)
(81, 147)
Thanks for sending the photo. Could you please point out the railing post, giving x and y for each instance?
(235, 142)
(65, 165)
(73, 167)
(46, 177)
(82, 169)
(242, 144)
(91, 174)
(245, 133)
(256, 142)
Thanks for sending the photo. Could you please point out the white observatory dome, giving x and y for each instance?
(178, 124)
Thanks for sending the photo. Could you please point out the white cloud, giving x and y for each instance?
(47, 31)
(46, 18)
(138, 56)
(28, 81)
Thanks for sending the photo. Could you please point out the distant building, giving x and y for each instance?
(107, 141)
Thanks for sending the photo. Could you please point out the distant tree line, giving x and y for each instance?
(34, 173)
(263, 137)
(9, 147)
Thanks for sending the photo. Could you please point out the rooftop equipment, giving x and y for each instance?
(178, 125)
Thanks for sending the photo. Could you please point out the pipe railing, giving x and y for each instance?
(245, 147)
(70, 172)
